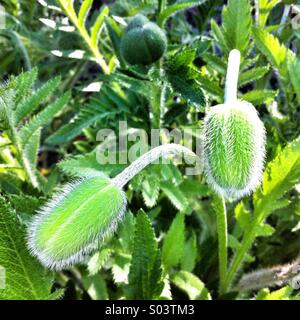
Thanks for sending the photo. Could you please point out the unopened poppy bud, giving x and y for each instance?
(75, 221)
(73, 224)
(234, 141)
(143, 42)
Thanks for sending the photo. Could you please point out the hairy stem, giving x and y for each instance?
(270, 277)
(161, 151)
(222, 243)
(239, 257)
(232, 76)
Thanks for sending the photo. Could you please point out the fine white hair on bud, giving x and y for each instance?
(234, 141)
(73, 224)
(234, 149)
(75, 221)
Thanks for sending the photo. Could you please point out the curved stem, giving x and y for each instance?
(221, 215)
(232, 76)
(138, 165)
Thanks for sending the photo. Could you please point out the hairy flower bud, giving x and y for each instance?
(234, 149)
(234, 141)
(76, 220)
(143, 42)
(73, 223)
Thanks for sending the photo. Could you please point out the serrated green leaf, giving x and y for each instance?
(145, 276)
(190, 254)
(7, 118)
(96, 29)
(280, 175)
(237, 25)
(252, 75)
(270, 46)
(84, 11)
(42, 118)
(126, 231)
(189, 90)
(184, 57)
(87, 165)
(294, 72)
(174, 8)
(212, 88)
(150, 190)
(24, 203)
(258, 97)
(176, 197)
(173, 245)
(264, 230)
(242, 216)
(25, 278)
(98, 260)
(215, 62)
(32, 102)
(193, 188)
(107, 103)
(73, 128)
(219, 36)
(265, 6)
(185, 84)
(24, 83)
(30, 152)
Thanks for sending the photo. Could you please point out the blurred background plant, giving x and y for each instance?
(167, 245)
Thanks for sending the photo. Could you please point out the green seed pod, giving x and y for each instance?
(75, 221)
(234, 141)
(234, 149)
(143, 42)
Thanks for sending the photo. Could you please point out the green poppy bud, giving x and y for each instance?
(234, 141)
(143, 42)
(234, 149)
(75, 221)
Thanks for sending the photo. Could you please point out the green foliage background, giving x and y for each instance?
(51, 52)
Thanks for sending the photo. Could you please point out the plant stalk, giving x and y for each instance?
(161, 151)
(259, 216)
(232, 76)
(155, 103)
(221, 215)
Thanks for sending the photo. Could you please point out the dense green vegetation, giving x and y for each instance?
(71, 68)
